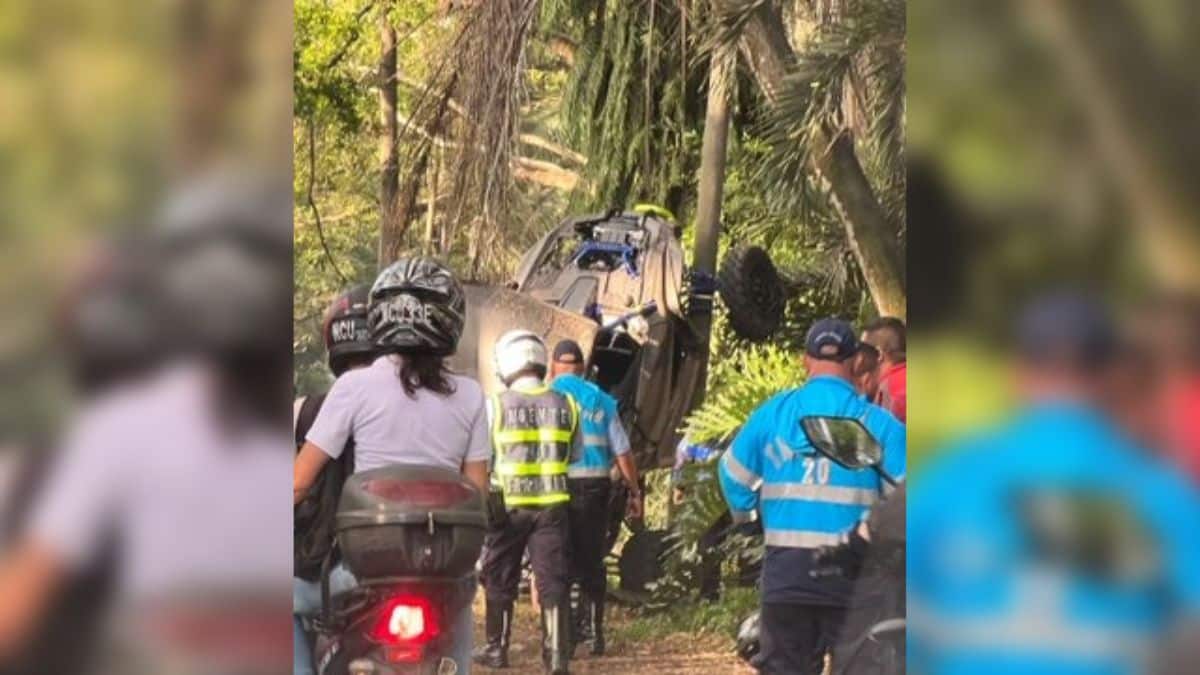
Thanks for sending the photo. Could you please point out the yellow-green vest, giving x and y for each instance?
(532, 431)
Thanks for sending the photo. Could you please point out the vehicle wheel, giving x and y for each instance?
(640, 563)
(753, 293)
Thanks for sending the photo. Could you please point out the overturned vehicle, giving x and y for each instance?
(617, 284)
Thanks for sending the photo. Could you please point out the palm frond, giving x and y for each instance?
(847, 76)
(751, 377)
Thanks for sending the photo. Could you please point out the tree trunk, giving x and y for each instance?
(1152, 156)
(431, 214)
(712, 162)
(213, 52)
(873, 239)
(717, 118)
(871, 236)
(389, 151)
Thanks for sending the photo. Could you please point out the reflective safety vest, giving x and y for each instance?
(532, 432)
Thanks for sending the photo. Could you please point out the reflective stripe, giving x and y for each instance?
(497, 413)
(533, 436)
(801, 538)
(574, 413)
(740, 473)
(536, 500)
(832, 494)
(531, 468)
(1026, 632)
(532, 461)
(594, 440)
(588, 472)
(740, 517)
(530, 489)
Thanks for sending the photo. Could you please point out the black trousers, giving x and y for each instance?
(544, 531)
(588, 517)
(795, 638)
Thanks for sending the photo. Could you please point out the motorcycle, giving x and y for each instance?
(410, 536)
(873, 637)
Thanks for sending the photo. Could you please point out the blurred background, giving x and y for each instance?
(1052, 198)
(1049, 145)
(145, 238)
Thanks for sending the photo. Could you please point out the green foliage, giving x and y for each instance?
(694, 619)
(325, 34)
(335, 127)
(962, 387)
(697, 514)
(746, 379)
(630, 104)
(848, 75)
(629, 98)
(740, 384)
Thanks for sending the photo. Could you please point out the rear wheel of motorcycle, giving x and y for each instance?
(753, 292)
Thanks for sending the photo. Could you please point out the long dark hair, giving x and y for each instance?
(424, 371)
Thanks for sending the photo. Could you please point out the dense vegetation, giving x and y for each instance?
(466, 129)
(497, 119)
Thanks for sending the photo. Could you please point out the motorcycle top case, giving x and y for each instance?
(410, 521)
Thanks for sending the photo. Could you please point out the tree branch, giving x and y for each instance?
(553, 148)
(312, 204)
(544, 173)
(354, 35)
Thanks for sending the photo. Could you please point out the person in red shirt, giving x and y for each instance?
(887, 334)
(1169, 328)
(865, 369)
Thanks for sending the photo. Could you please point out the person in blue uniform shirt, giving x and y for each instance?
(806, 501)
(1053, 543)
(590, 485)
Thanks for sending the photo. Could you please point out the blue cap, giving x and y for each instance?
(831, 340)
(1067, 325)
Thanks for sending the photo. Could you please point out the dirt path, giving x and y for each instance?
(675, 654)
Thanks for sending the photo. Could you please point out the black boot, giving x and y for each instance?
(579, 620)
(498, 625)
(596, 619)
(556, 635)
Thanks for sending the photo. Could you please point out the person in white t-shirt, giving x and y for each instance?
(406, 407)
(176, 471)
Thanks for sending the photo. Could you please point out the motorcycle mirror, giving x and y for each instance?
(844, 440)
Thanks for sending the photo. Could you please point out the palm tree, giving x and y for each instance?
(837, 97)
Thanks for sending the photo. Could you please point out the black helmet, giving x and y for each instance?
(748, 643)
(345, 328)
(417, 306)
(105, 318)
(226, 264)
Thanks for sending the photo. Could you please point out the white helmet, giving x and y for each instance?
(519, 351)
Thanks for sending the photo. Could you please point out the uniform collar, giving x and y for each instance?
(831, 379)
(568, 378)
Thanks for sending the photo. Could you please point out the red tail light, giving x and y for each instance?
(405, 624)
(420, 494)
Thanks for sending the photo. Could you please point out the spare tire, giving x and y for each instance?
(753, 293)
